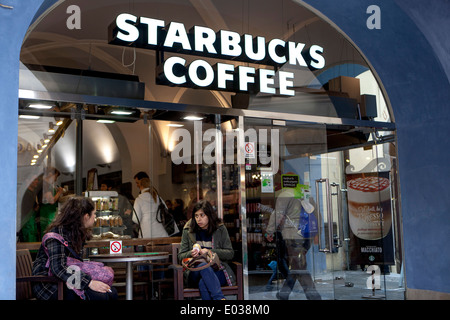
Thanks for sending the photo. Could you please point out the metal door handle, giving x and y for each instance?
(341, 220)
(329, 215)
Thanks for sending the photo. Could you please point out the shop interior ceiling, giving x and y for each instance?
(50, 43)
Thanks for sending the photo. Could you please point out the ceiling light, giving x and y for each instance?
(40, 106)
(27, 116)
(176, 125)
(46, 138)
(35, 156)
(193, 118)
(121, 112)
(105, 121)
(59, 121)
(51, 128)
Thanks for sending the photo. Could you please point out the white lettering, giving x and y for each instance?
(223, 76)
(169, 67)
(244, 78)
(194, 74)
(152, 25)
(260, 53)
(132, 33)
(273, 44)
(295, 54)
(229, 43)
(176, 33)
(320, 60)
(204, 38)
(266, 79)
(285, 83)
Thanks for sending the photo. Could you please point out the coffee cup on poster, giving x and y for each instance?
(369, 206)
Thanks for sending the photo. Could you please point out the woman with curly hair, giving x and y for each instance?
(73, 224)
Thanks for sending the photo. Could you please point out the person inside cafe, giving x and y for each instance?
(51, 194)
(138, 177)
(146, 208)
(73, 223)
(206, 229)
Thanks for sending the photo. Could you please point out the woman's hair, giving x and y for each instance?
(145, 182)
(70, 218)
(51, 170)
(213, 218)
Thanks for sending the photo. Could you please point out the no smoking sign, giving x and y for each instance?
(115, 247)
(250, 150)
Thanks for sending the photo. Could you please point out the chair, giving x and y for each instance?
(24, 277)
(180, 292)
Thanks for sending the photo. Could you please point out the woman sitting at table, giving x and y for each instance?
(73, 223)
(206, 229)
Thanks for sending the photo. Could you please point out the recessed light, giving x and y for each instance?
(193, 118)
(176, 125)
(105, 121)
(30, 117)
(121, 112)
(40, 106)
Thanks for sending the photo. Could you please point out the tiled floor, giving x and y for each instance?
(348, 285)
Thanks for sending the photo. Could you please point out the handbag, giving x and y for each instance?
(96, 270)
(210, 258)
(308, 226)
(164, 217)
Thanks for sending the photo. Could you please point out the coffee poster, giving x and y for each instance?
(370, 218)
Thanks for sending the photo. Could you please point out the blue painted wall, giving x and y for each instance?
(13, 26)
(411, 56)
(410, 53)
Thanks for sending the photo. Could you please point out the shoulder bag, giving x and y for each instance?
(210, 258)
(164, 217)
(96, 270)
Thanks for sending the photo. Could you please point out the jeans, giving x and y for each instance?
(296, 258)
(209, 282)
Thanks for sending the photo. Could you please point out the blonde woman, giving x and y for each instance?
(146, 207)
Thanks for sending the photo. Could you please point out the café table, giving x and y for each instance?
(129, 258)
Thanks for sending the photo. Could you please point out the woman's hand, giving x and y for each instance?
(99, 286)
(195, 253)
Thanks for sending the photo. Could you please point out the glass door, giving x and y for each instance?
(286, 258)
(319, 223)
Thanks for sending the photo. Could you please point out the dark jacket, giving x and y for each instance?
(58, 254)
(221, 246)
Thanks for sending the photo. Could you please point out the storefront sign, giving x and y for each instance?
(148, 33)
